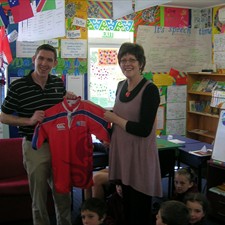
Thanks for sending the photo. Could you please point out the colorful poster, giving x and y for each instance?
(149, 17)
(218, 26)
(176, 17)
(107, 57)
(76, 10)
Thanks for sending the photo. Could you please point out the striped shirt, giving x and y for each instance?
(24, 97)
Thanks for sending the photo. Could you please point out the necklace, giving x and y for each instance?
(127, 94)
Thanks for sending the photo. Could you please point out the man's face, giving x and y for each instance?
(44, 61)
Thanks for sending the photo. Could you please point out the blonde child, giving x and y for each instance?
(184, 183)
(198, 206)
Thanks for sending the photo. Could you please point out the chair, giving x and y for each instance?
(15, 200)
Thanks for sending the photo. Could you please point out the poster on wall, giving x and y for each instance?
(176, 17)
(184, 49)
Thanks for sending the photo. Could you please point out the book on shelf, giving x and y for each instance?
(200, 106)
(220, 86)
(211, 85)
(195, 85)
(203, 84)
(218, 95)
(192, 106)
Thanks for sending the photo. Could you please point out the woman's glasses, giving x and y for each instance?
(125, 61)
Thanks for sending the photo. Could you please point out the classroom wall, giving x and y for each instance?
(151, 17)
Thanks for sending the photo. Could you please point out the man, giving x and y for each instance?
(28, 97)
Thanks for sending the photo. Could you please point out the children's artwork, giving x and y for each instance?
(176, 17)
(160, 118)
(175, 126)
(176, 110)
(218, 26)
(177, 93)
(162, 79)
(201, 18)
(107, 57)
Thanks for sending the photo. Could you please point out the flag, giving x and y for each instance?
(4, 21)
(44, 5)
(21, 10)
(5, 51)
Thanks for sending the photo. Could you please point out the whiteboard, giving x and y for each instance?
(219, 145)
(75, 84)
(184, 49)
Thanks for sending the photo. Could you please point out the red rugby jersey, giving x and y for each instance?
(68, 127)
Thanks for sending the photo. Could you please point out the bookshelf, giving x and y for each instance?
(216, 189)
(202, 118)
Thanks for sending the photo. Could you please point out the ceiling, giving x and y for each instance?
(195, 3)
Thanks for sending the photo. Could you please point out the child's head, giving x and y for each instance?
(172, 213)
(184, 179)
(93, 211)
(198, 206)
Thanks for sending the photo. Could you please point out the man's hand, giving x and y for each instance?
(38, 116)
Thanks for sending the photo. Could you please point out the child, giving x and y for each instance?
(93, 211)
(184, 182)
(198, 206)
(172, 213)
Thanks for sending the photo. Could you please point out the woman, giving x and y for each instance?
(133, 155)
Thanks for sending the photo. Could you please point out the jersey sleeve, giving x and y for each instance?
(39, 136)
(97, 124)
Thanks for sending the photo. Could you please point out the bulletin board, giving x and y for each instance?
(218, 148)
(184, 49)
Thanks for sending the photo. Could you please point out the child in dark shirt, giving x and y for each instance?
(184, 183)
(172, 213)
(198, 206)
(93, 211)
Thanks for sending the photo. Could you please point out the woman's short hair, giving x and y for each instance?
(133, 49)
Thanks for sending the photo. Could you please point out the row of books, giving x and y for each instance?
(218, 95)
(205, 85)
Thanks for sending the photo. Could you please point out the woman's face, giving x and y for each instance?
(196, 211)
(90, 218)
(130, 66)
(159, 219)
(182, 183)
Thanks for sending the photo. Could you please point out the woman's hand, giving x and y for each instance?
(114, 118)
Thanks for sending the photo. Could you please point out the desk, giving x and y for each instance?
(197, 162)
(181, 138)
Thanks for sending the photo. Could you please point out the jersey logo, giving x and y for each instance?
(61, 126)
(80, 123)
